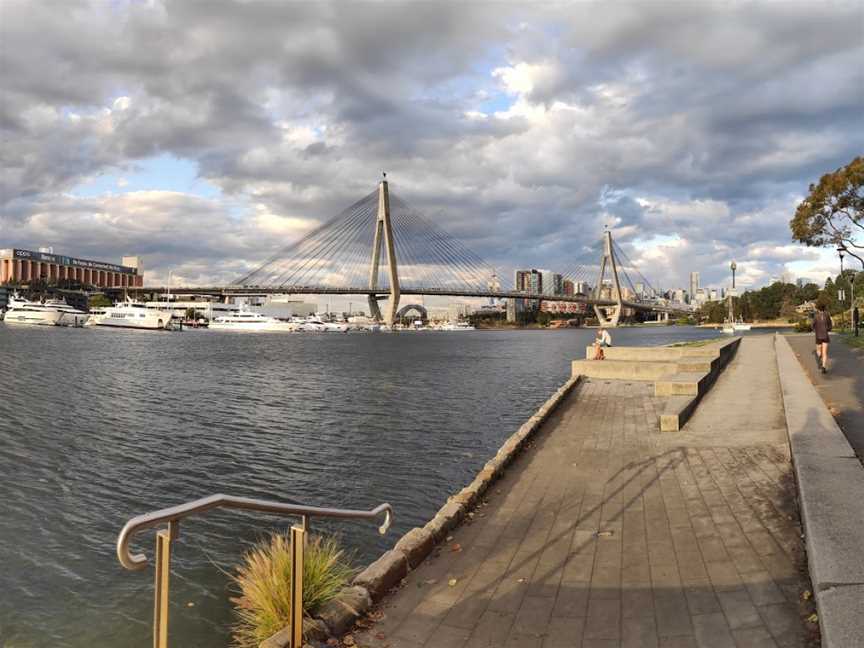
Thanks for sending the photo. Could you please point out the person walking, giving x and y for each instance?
(822, 327)
(601, 341)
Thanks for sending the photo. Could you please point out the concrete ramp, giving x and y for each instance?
(681, 375)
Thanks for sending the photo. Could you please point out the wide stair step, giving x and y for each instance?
(687, 383)
(624, 369)
(681, 375)
(639, 370)
(656, 354)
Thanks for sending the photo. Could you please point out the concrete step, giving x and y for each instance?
(676, 411)
(624, 369)
(689, 383)
(681, 375)
(656, 354)
(695, 365)
(639, 370)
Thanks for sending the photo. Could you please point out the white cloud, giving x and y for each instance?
(292, 111)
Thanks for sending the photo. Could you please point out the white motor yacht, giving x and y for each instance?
(312, 325)
(457, 326)
(250, 321)
(336, 327)
(52, 312)
(129, 314)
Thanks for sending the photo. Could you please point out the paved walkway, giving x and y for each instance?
(607, 533)
(842, 388)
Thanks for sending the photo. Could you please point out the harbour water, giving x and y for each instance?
(97, 426)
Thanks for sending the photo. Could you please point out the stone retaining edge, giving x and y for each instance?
(372, 584)
(831, 490)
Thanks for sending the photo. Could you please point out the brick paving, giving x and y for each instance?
(606, 533)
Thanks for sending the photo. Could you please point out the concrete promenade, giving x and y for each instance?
(608, 533)
(842, 388)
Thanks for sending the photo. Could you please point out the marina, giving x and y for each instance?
(162, 316)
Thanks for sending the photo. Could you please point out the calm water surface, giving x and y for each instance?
(97, 426)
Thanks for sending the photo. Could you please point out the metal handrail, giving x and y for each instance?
(174, 514)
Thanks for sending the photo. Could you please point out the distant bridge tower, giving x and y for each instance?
(604, 317)
(384, 230)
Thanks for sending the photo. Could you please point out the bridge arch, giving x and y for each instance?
(403, 312)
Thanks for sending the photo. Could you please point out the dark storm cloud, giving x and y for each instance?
(715, 116)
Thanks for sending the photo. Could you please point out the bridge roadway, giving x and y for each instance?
(253, 291)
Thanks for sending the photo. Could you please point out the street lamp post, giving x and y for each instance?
(841, 251)
(733, 266)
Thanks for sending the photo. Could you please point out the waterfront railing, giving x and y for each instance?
(172, 516)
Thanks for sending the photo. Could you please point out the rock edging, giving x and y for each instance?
(373, 583)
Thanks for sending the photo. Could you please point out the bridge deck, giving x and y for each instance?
(252, 291)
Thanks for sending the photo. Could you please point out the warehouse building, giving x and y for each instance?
(24, 266)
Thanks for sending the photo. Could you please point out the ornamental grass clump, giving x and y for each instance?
(264, 580)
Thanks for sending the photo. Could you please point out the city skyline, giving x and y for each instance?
(520, 131)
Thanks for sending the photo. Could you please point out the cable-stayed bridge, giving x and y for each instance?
(382, 248)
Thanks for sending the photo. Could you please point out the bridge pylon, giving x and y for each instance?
(604, 318)
(384, 235)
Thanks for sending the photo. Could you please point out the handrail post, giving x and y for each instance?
(295, 616)
(162, 587)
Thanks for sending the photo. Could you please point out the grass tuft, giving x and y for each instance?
(852, 341)
(262, 609)
(698, 343)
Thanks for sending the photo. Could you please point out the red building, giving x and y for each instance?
(24, 266)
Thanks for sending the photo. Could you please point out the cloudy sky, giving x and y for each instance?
(205, 135)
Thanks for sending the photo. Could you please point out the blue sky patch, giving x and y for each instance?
(161, 173)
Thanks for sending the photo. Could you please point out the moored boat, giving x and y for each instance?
(249, 321)
(457, 326)
(51, 312)
(129, 314)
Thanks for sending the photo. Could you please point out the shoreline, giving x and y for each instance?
(386, 573)
(753, 325)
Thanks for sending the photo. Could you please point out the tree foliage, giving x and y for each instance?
(779, 300)
(833, 211)
(99, 301)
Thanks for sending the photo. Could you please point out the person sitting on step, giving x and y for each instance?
(602, 341)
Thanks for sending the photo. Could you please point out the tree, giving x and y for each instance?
(99, 301)
(833, 212)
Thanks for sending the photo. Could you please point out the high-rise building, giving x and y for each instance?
(582, 288)
(569, 288)
(552, 282)
(694, 283)
(530, 281)
(516, 308)
(714, 295)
